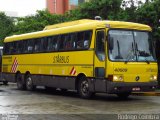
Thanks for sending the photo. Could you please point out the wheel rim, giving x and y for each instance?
(85, 87)
(29, 83)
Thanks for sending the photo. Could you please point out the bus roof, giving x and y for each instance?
(75, 26)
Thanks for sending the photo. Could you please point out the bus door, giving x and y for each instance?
(99, 61)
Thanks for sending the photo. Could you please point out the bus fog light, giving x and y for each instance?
(117, 78)
(153, 77)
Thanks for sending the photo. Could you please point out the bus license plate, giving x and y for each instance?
(136, 89)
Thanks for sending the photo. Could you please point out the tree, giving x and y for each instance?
(107, 9)
(149, 14)
(36, 22)
(6, 26)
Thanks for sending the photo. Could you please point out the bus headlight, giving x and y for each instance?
(153, 78)
(118, 78)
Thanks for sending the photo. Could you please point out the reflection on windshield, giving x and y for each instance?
(130, 46)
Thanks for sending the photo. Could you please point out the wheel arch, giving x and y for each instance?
(27, 73)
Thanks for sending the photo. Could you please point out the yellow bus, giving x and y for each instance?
(89, 56)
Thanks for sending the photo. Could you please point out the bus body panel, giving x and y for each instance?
(51, 63)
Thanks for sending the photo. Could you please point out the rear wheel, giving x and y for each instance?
(20, 83)
(29, 83)
(83, 88)
(5, 82)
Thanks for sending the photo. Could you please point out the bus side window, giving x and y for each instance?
(30, 45)
(19, 47)
(12, 48)
(25, 46)
(73, 39)
(68, 42)
(55, 45)
(6, 48)
(37, 45)
(100, 40)
(87, 39)
(52, 43)
(44, 44)
(80, 40)
(61, 42)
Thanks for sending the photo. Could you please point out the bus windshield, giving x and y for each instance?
(129, 45)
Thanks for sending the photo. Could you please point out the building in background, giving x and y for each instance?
(62, 6)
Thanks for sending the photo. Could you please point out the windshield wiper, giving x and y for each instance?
(144, 54)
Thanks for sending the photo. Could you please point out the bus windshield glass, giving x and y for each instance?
(129, 45)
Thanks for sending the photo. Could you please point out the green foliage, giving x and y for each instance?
(107, 9)
(149, 14)
(6, 26)
(37, 22)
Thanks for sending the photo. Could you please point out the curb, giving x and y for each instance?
(146, 93)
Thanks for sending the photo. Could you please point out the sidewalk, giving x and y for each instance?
(154, 93)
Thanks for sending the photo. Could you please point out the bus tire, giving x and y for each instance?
(123, 95)
(29, 83)
(83, 88)
(5, 82)
(20, 83)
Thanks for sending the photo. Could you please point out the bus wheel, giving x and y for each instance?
(83, 88)
(29, 83)
(20, 83)
(5, 82)
(123, 95)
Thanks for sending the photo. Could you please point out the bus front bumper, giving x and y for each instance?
(121, 87)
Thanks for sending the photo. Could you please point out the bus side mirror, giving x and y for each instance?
(111, 43)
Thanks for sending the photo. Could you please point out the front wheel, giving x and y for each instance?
(83, 88)
(29, 83)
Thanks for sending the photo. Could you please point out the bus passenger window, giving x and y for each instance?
(86, 43)
(80, 40)
(44, 44)
(61, 42)
(73, 39)
(52, 43)
(37, 46)
(87, 38)
(30, 44)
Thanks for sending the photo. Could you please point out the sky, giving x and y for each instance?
(22, 7)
